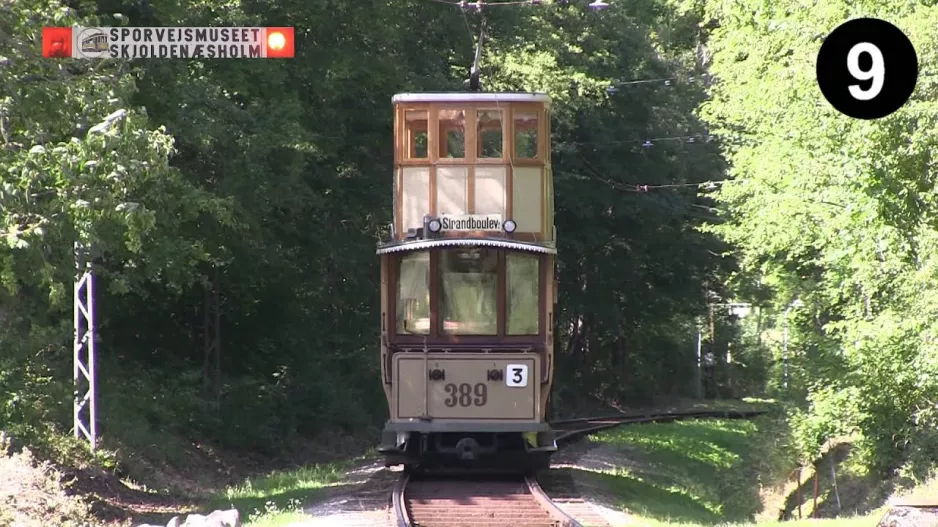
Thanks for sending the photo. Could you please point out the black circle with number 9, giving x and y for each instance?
(867, 68)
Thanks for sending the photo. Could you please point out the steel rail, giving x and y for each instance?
(607, 422)
(581, 427)
(403, 519)
(399, 503)
(548, 504)
(689, 413)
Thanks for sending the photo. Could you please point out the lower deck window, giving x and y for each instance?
(469, 299)
(477, 290)
(413, 294)
(522, 287)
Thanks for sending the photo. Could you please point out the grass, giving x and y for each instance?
(695, 473)
(275, 499)
(858, 521)
(276, 519)
(691, 471)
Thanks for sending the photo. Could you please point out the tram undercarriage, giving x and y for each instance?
(510, 451)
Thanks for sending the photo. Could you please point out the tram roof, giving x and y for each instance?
(471, 97)
(419, 245)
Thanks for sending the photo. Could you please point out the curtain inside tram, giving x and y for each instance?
(413, 294)
(522, 293)
(470, 291)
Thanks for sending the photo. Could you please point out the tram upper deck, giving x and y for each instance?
(478, 164)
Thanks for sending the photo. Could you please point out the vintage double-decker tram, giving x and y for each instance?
(467, 281)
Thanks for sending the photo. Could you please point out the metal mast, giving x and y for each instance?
(84, 410)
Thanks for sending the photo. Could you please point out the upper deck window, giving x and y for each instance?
(416, 123)
(469, 299)
(489, 133)
(525, 134)
(452, 136)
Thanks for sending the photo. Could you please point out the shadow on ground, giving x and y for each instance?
(836, 495)
(280, 491)
(694, 471)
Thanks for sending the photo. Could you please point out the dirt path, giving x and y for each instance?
(588, 456)
(362, 500)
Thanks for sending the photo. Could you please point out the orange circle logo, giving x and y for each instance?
(276, 41)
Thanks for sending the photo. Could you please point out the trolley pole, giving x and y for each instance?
(85, 404)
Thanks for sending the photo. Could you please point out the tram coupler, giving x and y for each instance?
(467, 448)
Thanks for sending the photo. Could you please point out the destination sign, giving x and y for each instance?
(471, 222)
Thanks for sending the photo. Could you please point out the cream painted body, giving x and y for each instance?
(416, 396)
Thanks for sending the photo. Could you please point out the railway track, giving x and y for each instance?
(426, 501)
(423, 500)
(569, 430)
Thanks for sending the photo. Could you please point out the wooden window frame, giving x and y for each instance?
(403, 151)
(436, 336)
(541, 112)
(505, 114)
(435, 139)
(508, 159)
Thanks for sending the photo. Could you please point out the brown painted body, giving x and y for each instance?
(463, 155)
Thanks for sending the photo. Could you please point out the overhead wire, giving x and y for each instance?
(468, 28)
(682, 208)
(611, 89)
(464, 4)
(643, 188)
(645, 143)
(649, 142)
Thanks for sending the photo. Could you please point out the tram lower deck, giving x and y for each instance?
(468, 358)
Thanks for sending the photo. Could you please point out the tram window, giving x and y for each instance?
(413, 294)
(421, 148)
(417, 126)
(489, 124)
(469, 300)
(522, 281)
(525, 134)
(452, 133)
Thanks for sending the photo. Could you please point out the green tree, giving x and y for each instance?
(270, 181)
(837, 210)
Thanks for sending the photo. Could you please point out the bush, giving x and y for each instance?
(32, 494)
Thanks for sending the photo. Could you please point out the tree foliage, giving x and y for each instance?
(837, 211)
(269, 182)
